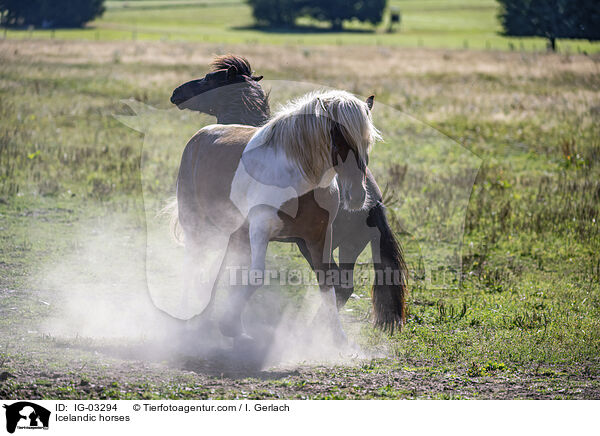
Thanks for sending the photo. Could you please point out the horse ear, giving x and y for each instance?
(231, 72)
(256, 78)
(370, 102)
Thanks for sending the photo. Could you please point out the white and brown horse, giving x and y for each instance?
(284, 180)
(231, 93)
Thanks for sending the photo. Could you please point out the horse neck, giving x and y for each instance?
(245, 106)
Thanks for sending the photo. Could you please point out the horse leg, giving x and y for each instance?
(328, 309)
(193, 274)
(348, 255)
(232, 258)
(345, 287)
(301, 243)
(256, 249)
(351, 235)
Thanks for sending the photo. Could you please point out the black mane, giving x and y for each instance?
(252, 106)
(230, 60)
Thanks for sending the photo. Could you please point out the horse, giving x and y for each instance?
(282, 181)
(231, 93)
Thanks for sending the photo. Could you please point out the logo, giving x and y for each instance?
(26, 415)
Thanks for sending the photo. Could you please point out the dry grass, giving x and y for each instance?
(360, 61)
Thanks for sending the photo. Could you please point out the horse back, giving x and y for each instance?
(208, 165)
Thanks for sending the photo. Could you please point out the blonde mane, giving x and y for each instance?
(302, 128)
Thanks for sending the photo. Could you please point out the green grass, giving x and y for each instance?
(431, 23)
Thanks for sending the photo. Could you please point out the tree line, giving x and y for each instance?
(551, 19)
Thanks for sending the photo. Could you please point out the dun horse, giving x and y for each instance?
(232, 93)
(278, 182)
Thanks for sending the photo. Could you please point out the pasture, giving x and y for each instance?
(523, 322)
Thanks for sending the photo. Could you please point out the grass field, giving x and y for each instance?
(429, 23)
(74, 185)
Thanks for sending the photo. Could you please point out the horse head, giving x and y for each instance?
(186, 95)
(229, 86)
(350, 164)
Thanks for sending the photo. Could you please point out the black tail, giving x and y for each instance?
(389, 289)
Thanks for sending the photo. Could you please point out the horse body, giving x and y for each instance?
(202, 183)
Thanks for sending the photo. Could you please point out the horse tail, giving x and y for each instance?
(171, 210)
(388, 293)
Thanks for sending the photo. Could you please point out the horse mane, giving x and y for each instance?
(224, 62)
(303, 129)
(253, 108)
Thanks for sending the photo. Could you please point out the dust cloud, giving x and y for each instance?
(99, 292)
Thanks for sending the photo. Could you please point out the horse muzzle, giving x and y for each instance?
(178, 99)
(354, 197)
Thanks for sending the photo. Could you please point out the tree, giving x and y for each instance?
(551, 19)
(50, 13)
(276, 12)
(285, 12)
(336, 11)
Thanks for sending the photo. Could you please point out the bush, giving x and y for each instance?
(285, 12)
(50, 13)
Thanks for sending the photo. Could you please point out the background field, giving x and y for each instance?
(524, 321)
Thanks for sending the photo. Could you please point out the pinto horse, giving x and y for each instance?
(272, 183)
(232, 94)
